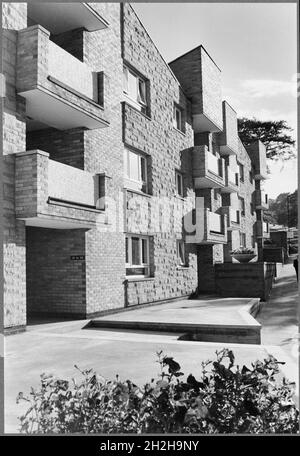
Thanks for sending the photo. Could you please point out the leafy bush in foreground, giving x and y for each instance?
(225, 399)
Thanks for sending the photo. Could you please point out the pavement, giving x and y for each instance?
(206, 318)
(55, 347)
(279, 316)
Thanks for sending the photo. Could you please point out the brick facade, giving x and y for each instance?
(65, 111)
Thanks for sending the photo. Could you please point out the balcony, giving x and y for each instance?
(210, 228)
(232, 216)
(231, 180)
(262, 229)
(62, 17)
(200, 79)
(266, 230)
(257, 153)
(50, 194)
(261, 200)
(208, 169)
(60, 90)
(228, 139)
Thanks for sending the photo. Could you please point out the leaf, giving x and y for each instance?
(172, 365)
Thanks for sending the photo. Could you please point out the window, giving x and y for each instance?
(242, 239)
(135, 169)
(137, 255)
(251, 177)
(135, 89)
(177, 118)
(242, 205)
(241, 171)
(216, 194)
(179, 183)
(253, 241)
(180, 253)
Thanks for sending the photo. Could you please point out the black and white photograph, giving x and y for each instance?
(149, 221)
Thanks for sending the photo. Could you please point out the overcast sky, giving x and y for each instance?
(255, 47)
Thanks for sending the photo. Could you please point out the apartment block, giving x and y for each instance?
(125, 181)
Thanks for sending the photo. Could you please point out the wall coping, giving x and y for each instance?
(33, 152)
(35, 27)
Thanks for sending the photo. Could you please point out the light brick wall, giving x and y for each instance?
(201, 81)
(14, 17)
(166, 148)
(98, 282)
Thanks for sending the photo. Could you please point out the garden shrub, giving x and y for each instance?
(224, 399)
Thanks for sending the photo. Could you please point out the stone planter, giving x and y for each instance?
(243, 257)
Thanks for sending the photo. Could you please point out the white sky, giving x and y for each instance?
(255, 47)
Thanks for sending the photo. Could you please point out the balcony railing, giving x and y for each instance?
(208, 169)
(211, 228)
(262, 229)
(72, 72)
(262, 201)
(70, 184)
(54, 195)
(213, 163)
(231, 180)
(60, 90)
(232, 216)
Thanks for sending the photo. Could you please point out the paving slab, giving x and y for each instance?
(279, 316)
(207, 318)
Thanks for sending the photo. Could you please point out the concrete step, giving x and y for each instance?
(242, 334)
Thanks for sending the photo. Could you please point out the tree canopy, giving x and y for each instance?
(274, 134)
(283, 210)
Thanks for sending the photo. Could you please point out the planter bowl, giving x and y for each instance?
(243, 257)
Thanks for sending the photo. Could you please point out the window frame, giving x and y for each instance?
(242, 206)
(142, 158)
(241, 174)
(180, 175)
(176, 109)
(128, 255)
(179, 261)
(138, 101)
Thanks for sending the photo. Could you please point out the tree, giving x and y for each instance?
(274, 134)
(283, 210)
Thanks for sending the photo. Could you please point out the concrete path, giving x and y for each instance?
(210, 318)
(56, 347)
(279, 316)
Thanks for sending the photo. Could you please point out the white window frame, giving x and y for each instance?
(180, 261)
(139, 100)
(136, 184)
(142, 264)
(177, 109)
(179, 175)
